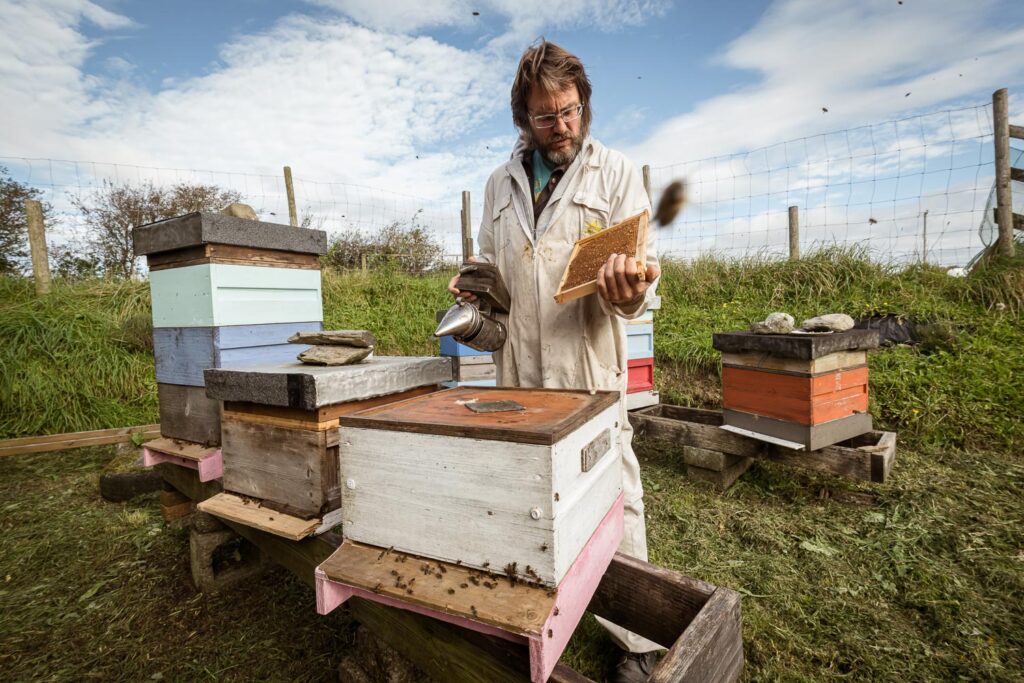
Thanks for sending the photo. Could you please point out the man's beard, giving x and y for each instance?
(562, 157)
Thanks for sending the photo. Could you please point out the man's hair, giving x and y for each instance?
(551, 68)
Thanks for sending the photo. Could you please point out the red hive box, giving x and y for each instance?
(803, 389)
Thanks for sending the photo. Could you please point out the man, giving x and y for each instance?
(559, 186)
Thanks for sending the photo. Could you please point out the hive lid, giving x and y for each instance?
(202, 227)
(549, 415)
(802, 347)
(308, 387)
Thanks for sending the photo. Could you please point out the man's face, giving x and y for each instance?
(560, 143)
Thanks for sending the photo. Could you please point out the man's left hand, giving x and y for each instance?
(617, 280)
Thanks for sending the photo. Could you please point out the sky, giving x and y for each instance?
(411, 96)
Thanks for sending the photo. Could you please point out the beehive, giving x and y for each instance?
(806, 390)
(225, 292)
(523, 489)
(279, 427)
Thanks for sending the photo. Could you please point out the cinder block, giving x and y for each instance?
(222, 559)
(708, 459)
(723, 479)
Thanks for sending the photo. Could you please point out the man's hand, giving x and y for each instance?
(455, 290)
(617, 280)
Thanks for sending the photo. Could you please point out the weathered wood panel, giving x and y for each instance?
(799, 346)
(841, 360)
(296, 469)
(217, 294)
(229, 253)
(186, 413)
(691, 427)
(202, 227)
(711, 647)
(308, 387)
(62, 442)
(812, 436)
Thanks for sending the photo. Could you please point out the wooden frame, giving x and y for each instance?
(868, 457)
(698, 622)
(63, 442)
(639, 253)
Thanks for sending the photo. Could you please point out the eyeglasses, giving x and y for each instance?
(568, 115)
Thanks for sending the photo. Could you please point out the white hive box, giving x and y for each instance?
(431, 477)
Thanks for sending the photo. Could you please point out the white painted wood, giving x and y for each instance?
(214, 294)
(470, 500)
(793, 445)
(642, 399)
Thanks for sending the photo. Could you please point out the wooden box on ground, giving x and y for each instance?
(431, 477)
(806, 391)
(867, 457)
(699, 623)
(287, 455)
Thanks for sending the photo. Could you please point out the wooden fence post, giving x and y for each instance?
(924, 238)
(37, 245)
(794, 232)
(289, 188)
(467, 230)
(1004, 197)
(647, 183)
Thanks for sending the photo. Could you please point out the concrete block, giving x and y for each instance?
(222, 559)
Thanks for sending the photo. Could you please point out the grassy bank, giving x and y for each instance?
(921, 578)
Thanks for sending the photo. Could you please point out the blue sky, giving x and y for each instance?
(412, 95)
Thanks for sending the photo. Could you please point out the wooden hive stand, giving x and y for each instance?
(207, 461)
(542, 618)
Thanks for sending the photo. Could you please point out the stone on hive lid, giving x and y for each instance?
(334, 355)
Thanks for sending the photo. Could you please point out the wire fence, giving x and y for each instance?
(913, 189)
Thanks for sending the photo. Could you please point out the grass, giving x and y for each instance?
(921, 578)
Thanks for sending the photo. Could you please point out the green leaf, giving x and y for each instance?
(92, 591)
(819, 548)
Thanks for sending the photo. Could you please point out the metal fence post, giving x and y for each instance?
(794, 232)
(37, 245)
(1004, 198)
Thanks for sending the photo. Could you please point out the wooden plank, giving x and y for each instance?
(1017, 132)
(799, 346)
(297, 469)
(61, 442)
(182, 449)
(708, 459)
(236, 509)
(230, 253)
(487, 597)
(865, 463)
(722, 479)
(806, 412)
(216, 294)
(549, 415)
(841, 360)
(711, 647)
(187, 414)
(1016, 218)
(1017, 175)
(202, 227)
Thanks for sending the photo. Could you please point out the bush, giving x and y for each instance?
(410, 248)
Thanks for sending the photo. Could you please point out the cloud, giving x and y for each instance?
(858, 60)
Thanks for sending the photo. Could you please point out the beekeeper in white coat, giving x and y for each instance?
(559, 186)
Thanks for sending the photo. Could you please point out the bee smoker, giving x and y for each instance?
(474, 324)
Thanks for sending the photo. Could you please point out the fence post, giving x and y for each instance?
(794, 232)
(467, 230)
(293, 215)
(37, 245)
(924, 238)
(647, 183)
(1004, 198)
(362, 261)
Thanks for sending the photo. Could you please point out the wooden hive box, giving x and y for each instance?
(523, 489)
(279, 427)
(807, 391)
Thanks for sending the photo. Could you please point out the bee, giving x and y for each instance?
(463, 585)
(488, 585)
(544, 547)
(376, 589)
(556, 496)
(412, 581)
(555, 612)
(441, 567)
(472, 608)
(486, 565)
(409, 591)
(475, 581)
(451, 591)
(394, 572)
(551, 634)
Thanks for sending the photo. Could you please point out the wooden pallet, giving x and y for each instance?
(698, 622)
(868, 457)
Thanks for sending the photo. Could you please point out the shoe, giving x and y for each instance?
(635, 667)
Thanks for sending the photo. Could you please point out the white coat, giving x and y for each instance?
(580, 344)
